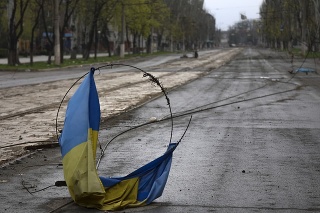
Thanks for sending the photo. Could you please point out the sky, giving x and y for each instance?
(227, 12)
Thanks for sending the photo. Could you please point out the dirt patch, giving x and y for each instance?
(28, 113)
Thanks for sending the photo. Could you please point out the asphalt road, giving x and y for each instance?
(30, 100)
(20, 78)
(11, 79)
(252, 145)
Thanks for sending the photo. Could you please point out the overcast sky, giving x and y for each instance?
(227, 12)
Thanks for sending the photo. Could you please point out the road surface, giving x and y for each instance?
(30, 101)
(252, 146)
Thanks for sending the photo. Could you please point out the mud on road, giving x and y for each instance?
(28, 113)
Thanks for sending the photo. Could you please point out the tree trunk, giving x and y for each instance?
(105, 39)
(134, 49)
(95, 43)
(13, 57)
(49, 57)
(89, 44)
(159, 43)
(149, 44)
(31, 48)
(61, 35)
(107, 42)
(122, 45)
(56, 33)
(36, 22)
(49, 44)
(304, 47)
(70, 7)
(93, 28)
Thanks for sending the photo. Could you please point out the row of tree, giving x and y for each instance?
(244, 32)
(183, 22)
(285, 23)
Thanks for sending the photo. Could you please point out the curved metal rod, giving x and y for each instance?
(152, 79)
(57, 134)
(145, 74)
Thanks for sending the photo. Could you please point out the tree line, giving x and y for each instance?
(183, 24)
(244, 32)
(285, 23)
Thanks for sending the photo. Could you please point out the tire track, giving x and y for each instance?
(28, 113)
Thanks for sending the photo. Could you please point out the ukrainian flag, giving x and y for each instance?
(78, 143)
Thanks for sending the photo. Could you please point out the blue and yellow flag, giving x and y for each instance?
(78, 143)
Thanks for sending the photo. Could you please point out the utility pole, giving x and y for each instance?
(122, 46)
(57, 59)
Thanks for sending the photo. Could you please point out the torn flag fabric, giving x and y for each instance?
(78, 143)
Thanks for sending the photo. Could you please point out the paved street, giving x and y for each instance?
(30, 100)
(252, 145)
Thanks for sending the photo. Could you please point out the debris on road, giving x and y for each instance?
(27, 113)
